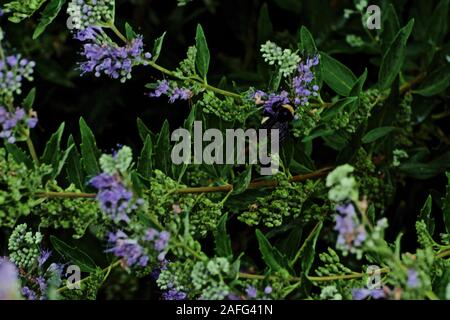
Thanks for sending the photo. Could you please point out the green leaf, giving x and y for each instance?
(340, 106)
(202, 58)
(269, 254)
(275, 80)
(62, 161)
(391, 25)
(28, 102)
(73, 168)
(145, 165)
(436, 82)
(446, 205)
(376, 134)
(48, 15)
(336, 75)
(309, 249)
(318, 133)
(265, 26)
(144, 131)
(19, 155)
(242, 181)
(163, 150)
(89, 151)
(222, 239)
(440, 284)
(290, 244)
(137, 182)
(371, 214)
(73, 255)
(189, 122)
(52, 150)
(157, 46)
(418, 169)
(425, 215)
(394, 57)
(130, 34)
(438, 23)
(307, 43)
(358, 85)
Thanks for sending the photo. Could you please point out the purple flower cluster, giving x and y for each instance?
(13, 69)
(10, 122)
(302, 86)
(104, 56)
(127, 249)
(173, 294)
(160, 241)
(174, 93)
(361, 294)
(39, 293)
(351, 233)
(271, 102)
(8, 280)
(302, 83)
(114, 198)
(132, 252)
(29, 294)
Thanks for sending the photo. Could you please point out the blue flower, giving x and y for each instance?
(361, 294)
(114, 198)
(29, 294)
(172, 91)
(160, 241)
(274, 101)
(251, 292)
(351, 233)
(180, 94)
(12, 72)
(268, 290)
(10, 122)
(174, 294)
(413, 279)
(127, 249)
(162, 88)
(302, 82)
(42, 283)
(43, 257)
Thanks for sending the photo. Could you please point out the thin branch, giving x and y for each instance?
(225, 188)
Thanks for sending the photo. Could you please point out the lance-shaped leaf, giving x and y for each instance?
(48, 15)
(89, 151)
(202, 58)
(394, 57)
(73, 255)
(222, 239)
(336, 75)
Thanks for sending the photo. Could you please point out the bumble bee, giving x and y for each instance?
(279, 118)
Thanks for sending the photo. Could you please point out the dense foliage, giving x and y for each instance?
(359, 209)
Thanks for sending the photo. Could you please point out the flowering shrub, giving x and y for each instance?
(340, 219)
